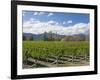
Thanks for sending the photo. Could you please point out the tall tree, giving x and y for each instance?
(24, 38)
(50, 36)
(45, 36)
(30, 38)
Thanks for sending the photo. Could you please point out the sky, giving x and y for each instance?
(38, 22)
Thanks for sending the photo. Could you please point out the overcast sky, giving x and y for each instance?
(38, 22)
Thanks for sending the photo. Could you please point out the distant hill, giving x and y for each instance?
(41, 36)
(78, 37)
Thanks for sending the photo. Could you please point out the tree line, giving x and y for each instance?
(49, 36)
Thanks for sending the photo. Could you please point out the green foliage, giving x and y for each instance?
(30, 38)
(24, 38)
(48, 36)
(45, 36)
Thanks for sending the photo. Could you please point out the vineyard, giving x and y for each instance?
(38, 54)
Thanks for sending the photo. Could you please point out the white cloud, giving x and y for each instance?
(52, 22)
(37, 27)
(69, 22)
(38, 13)
(41, 13)
(64, 22)
(30, 23)
(24, 13)
(35, 13)
(50, 14)
(32, 19)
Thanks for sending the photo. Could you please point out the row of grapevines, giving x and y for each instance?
(44, 49)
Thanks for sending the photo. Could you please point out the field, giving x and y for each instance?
(38, 54)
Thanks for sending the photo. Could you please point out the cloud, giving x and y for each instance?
(32, 19)
(37, 27)
(69, 22)
(23, 13)
(30, 23)
(38, 13)
(51, 22)
(50, 14)
(64, 22)
(35, 13)
(41, 13)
